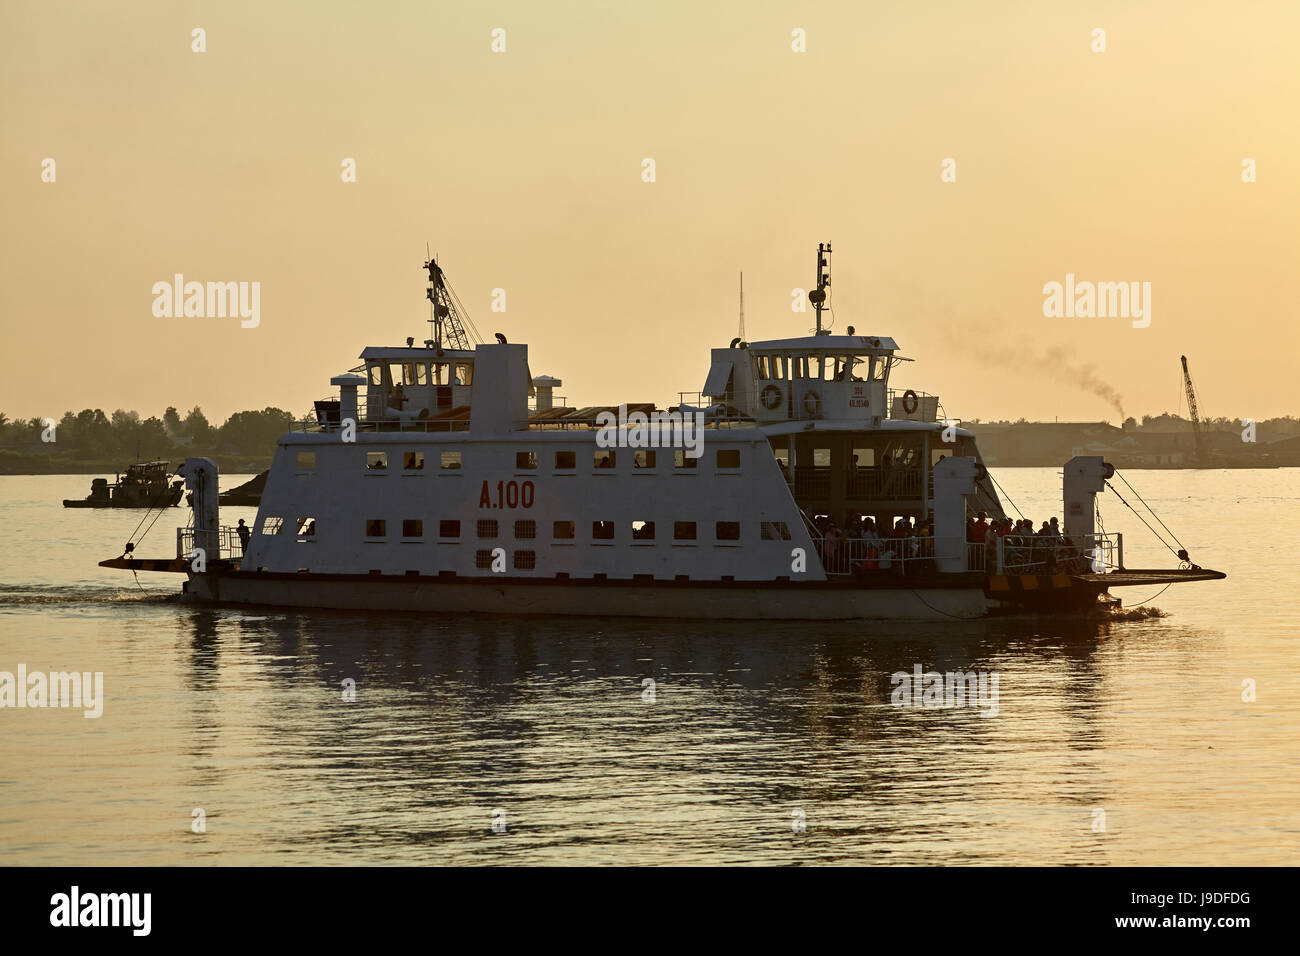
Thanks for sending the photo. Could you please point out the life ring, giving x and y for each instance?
(812, 403)
(910, 401)
(771, 397)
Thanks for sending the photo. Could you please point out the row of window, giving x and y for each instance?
(422, 373)
(488, 528)
(831, 368)
(646, 459)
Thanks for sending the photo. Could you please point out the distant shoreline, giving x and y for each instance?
(36, 466)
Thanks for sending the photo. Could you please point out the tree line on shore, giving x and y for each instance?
(92, 435)
(1165, 422)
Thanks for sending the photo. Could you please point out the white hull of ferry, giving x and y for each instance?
(702, 601)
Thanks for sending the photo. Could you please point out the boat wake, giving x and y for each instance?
(1134, 613)
(36, 595)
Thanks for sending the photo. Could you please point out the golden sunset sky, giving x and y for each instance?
(522, 170)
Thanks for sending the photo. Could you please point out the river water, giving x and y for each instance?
(480, 740)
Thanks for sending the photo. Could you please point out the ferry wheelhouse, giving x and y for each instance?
(447, 477)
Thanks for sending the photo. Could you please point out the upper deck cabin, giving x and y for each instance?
(406, 384)
(812, 378)
(433, 389)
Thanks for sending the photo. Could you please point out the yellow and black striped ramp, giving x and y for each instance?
(1009, 585)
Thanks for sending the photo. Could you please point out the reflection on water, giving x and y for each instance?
(748, 730)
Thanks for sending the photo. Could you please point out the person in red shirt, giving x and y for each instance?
(980, 528)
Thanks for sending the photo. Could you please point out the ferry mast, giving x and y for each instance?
(818, 296)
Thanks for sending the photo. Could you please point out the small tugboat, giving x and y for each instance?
(145, 485)
(432, 483)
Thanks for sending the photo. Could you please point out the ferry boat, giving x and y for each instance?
(145, 485)
(444, 477)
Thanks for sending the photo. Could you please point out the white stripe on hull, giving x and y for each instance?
(605, 600)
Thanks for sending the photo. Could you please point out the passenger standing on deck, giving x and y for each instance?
(831, 540)
(243, 536)
(980, 528)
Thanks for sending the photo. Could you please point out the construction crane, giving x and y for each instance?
(1194, 412)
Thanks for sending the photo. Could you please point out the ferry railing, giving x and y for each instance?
(557, 401)
(922, 398)
(327, 419)
(718, 419)
(883, 483)
(228, 543)
(1046, 554)
(812, 481)
(905, 556)
(861, 484)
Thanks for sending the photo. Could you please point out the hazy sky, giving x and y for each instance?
(523, 170)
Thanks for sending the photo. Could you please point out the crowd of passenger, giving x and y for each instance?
(861, 546)
(1045, 550)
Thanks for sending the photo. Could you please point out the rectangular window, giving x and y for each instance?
(487, 527)
(566, 459)
(525, 560)
(306, 460)
(376, 460)
(821, 457)
(412, 528)
(643, 459)
(525, 459)
(727, 530)
(448, 529)
(562, 531)
(413, 461)
(483, 559)
(306, 527)
(760, 368)
(683, 530)
(602, 530)
(272, 525)
(450, 460)
(683, 460)
(526, 529)
(603, 458)
(643, 530)
(775, 531)
(464, 374)
(440, 373)
(376, 528)
(376, 375)
(864, 457)
(728, 457)
(409, 373)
